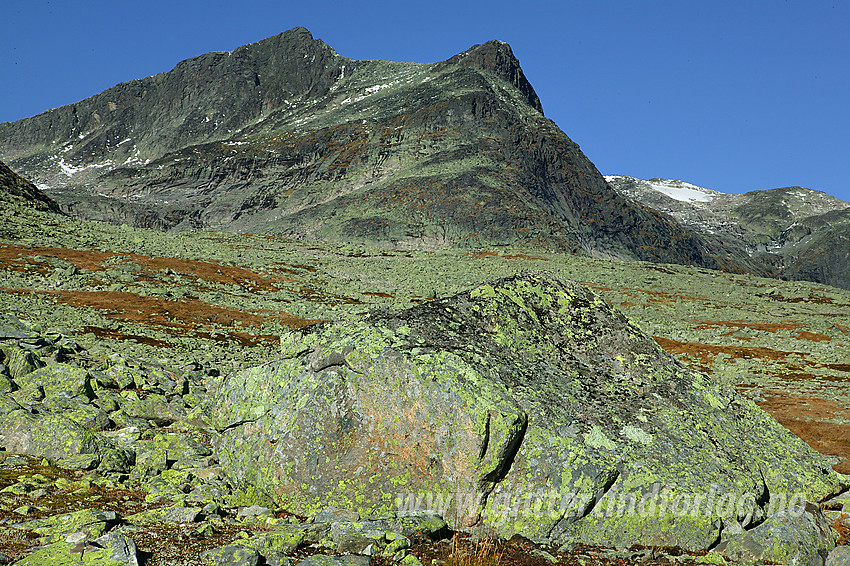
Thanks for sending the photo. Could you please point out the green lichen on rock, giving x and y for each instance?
(61, 379)
(279, 541)
(527, 404)
(92, 522)
(794, 535)
(19, 362)
(113, 549)
(230, 554)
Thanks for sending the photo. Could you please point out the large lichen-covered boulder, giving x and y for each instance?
(528, 405)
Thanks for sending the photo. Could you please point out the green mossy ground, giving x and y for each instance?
(761, 336)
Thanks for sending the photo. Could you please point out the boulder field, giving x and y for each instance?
(525, 406)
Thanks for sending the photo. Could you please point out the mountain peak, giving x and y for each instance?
(284, 136)
(297, 39)
(299, 31)
(498, 57)
(802, 232)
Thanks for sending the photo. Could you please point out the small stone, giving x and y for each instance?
(544, 555)
(275, 542)
(118, 460)
(345, 560)
(230, 555)
(182, 515)
(75, 538)
(334, 514)
(353, 537)
(795, 535)
(80, 462)
(206, 530)
(395, 546)
(92, 522)
(210, 473)
(839, 556)
(17, 489)
(840, 502)
(212, 508)
(37, 494)
(254, 511)
(124, 436)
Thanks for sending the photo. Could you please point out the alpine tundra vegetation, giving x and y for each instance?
(365, 312)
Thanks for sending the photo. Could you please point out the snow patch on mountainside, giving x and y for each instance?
(677, 190)
(70, 170)
(682, 191)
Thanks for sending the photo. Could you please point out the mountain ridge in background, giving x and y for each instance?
(800, 232)
(285, 136)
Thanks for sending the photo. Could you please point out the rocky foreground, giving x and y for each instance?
(532, 398)
(120, 450)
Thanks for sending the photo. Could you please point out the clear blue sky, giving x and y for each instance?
(731, 95)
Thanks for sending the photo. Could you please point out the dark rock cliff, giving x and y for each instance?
(15, 188)
(203, 98)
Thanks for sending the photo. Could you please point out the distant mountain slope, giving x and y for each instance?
(285, 136)
(804, 234)
(14, 189)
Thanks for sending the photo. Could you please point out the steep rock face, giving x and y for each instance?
(823, 255)
(16, 189)
(529, 405)
(285, 136)
(796, 232)
(203, 98)
(497, 57)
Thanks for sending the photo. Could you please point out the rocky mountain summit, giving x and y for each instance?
(287, 137)
(798, 232)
